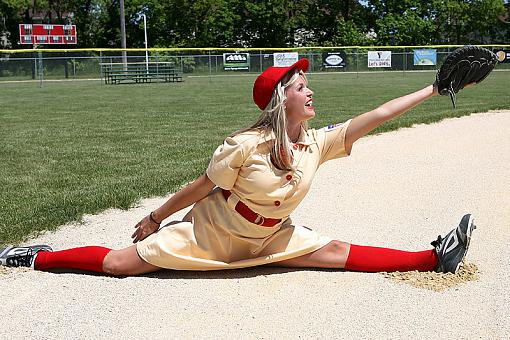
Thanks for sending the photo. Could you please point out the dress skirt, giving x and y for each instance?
(217, 237)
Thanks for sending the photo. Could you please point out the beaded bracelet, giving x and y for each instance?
(152, 218)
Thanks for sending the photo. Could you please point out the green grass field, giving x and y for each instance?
(71, 148)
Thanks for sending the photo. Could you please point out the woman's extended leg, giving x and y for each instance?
(447, 255)
(338, 254)
(332, 255)
(98, 259)
(127, 262)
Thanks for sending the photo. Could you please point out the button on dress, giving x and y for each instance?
(215, 236)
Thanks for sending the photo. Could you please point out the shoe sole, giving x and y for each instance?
(36, 248)
(2, 252)
(469, 231)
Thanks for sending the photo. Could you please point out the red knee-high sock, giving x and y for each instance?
(84, 258)
(374, 259)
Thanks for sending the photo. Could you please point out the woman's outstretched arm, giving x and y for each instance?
(366, 122)
(185, 197)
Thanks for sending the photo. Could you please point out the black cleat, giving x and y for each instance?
(21, 256)
(452, 249)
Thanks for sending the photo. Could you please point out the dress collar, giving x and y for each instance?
(305, 137)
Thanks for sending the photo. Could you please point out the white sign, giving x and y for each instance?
(334, 60)
(285, 59)
(379, 59)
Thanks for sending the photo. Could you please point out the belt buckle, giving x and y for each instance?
(259, 220)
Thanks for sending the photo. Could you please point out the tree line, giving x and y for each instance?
(266, 23)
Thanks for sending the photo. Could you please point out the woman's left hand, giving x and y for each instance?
(144, 228)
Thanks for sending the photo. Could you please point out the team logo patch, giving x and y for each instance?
(332, 127)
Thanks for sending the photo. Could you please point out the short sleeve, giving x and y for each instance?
(331, 141)
(225, 163)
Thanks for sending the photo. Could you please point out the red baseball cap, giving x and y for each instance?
(266, 82)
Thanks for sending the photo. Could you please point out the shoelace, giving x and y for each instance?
(437, 242)
(452, 94)
(21, 260)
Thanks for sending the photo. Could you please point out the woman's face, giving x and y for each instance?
(298, 105)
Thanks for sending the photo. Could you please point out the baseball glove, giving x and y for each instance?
(466, 65)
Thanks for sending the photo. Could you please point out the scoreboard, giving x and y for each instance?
(47, 34)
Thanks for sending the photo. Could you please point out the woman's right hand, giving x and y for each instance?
(144, 228)
(188, 195)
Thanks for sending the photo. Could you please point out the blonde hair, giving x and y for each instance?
(274, 119)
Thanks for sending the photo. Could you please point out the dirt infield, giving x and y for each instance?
(436, 281)
(399, 189)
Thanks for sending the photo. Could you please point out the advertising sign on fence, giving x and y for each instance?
(425, 57)
(379, 59)
(503, 55)
(236, 61)
(285, 59)
(334, 59)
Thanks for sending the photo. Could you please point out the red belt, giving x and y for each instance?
(251, 215)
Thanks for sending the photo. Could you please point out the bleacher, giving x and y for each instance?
(115, 73)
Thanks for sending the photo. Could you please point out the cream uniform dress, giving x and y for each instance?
(216, 236)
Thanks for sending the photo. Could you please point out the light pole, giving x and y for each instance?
(146, 51)
(123, 34)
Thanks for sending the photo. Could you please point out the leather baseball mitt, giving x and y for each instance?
(465, 65)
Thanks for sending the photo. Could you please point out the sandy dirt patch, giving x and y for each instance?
(436, 281)
(399, 189)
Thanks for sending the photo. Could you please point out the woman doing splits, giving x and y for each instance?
(242, 203)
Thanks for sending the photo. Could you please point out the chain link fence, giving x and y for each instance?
(40, 65)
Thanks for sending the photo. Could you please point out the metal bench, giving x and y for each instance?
(115, 74)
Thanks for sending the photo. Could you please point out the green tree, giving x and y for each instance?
(483, 20)
(407, 28)
(183, 23)
(451, 20)
(9, 19)
(13, 13)
(271, 23)
(336, 23)
(265, 23)
(404, 22)
(462, 22)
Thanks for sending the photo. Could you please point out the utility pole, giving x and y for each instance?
(123, 34)
(146, 51)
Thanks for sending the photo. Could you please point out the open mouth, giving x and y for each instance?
(309, 105)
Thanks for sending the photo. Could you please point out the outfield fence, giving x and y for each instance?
(57, 64)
